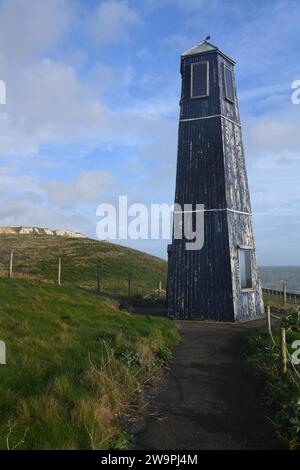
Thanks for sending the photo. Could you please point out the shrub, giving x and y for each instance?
(282, 391)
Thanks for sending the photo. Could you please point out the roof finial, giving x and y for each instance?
(207, 38)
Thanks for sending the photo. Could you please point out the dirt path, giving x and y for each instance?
(209, 400)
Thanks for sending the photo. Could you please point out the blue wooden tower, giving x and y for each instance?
(219, 281)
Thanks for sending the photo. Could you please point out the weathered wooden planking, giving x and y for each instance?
(211, 170)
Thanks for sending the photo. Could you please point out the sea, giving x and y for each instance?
(273, 277)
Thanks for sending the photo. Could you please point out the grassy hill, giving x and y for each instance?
(36, 256)
(74, 360)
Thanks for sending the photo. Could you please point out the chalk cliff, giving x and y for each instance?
(39, 231)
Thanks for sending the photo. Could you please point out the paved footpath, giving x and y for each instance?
(209, 400)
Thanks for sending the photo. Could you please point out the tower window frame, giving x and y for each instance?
(194, 97)
(246, 268)
(225, 69)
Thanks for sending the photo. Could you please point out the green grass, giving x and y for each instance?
(282, 390)
(276, 303)
(75, 362)
(36, 257)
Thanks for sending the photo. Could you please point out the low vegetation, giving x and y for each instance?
(36, 258)
(282, 390)
(277, 304)
(156, 299)
(75, 364)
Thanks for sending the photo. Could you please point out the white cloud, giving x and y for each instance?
(47, 101)
(28, 27)
(105, 77)
(264, 91)
(11, 182)
(110, 21)
(276, 136)
(23, 202)
(88, 187)
(18, 211)
(48, 104)
(264, 37)
(275, 132)
(186, 5)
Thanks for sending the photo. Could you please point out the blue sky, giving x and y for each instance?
(92, 108)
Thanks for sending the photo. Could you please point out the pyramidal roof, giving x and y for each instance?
(202, 48)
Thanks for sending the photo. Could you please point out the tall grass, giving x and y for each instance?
(282, 390)
(75, 363)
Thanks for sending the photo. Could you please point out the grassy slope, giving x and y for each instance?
(37, 256)
(74, 362)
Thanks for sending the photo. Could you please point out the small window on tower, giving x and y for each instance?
(200, 80)
(245, 269)
(228, 78)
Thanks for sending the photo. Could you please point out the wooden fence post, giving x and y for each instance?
(269, 325)
(283, 361)
(98, 278)
(284, 294)
(11, 262)
(59, 272)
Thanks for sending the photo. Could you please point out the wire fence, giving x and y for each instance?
(94, 275)
(284, 294)
(61, 269)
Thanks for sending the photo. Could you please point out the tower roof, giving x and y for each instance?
(205, 47)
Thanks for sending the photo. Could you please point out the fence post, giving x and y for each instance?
(269, 325)
(159, 286)
(11, 262)
(284, 294)
(129, 287)
(98, 278)
(283, 361)
(59, 272)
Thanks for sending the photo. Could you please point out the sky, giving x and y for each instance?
(92, 109)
